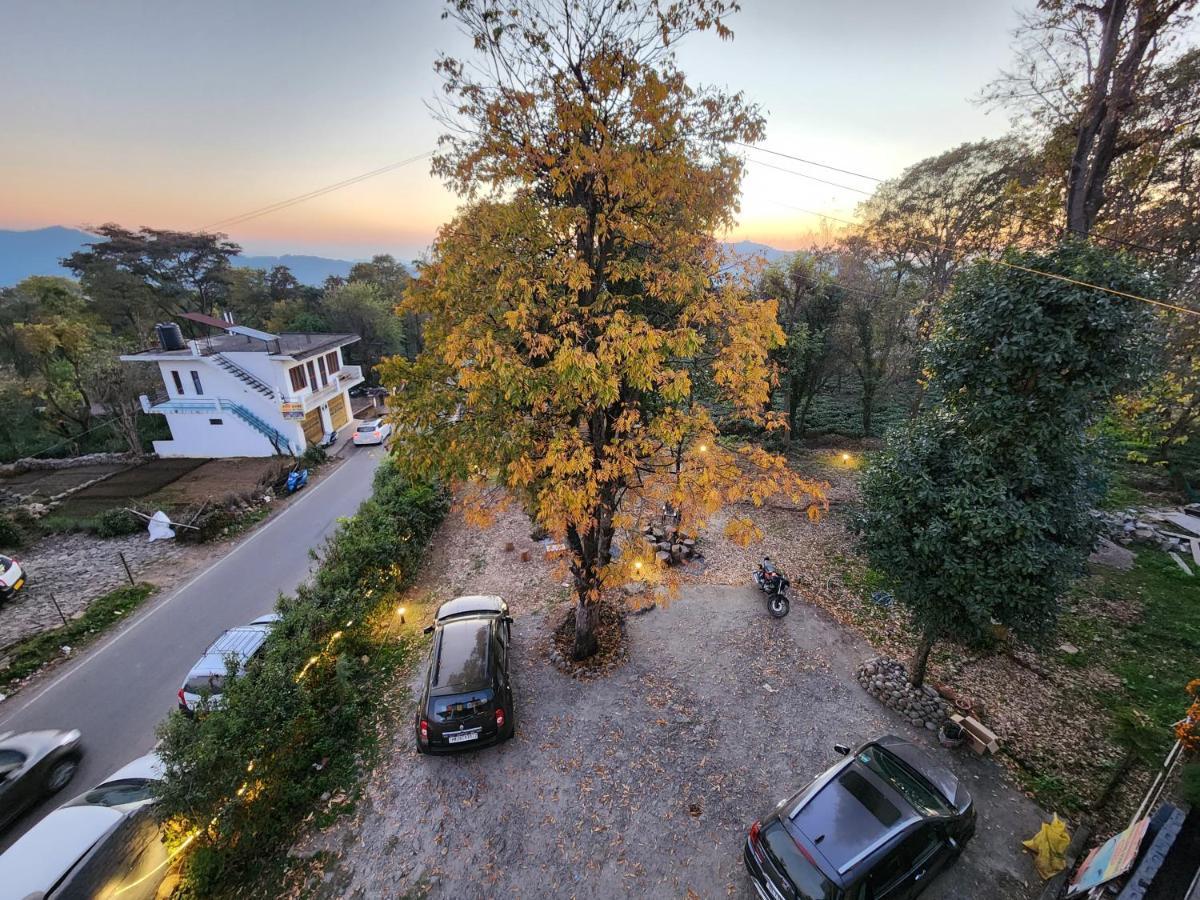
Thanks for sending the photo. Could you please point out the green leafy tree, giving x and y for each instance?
(810, 304)
(979, 510)
(183, 271)
(392, 279)
(362, 308)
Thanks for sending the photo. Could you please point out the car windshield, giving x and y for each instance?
(462, 655)
(5, 562)
(368, 428)
(118, 793)
(806, 878)
(205, 684)
(907, 783)
(461, 706)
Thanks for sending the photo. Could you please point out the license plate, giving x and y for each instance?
(462, 736)
(17, 586)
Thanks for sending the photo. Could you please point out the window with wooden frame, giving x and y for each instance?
(178, 382)
(296, 374)
(331, 362)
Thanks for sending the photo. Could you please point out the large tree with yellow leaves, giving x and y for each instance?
(576, 297)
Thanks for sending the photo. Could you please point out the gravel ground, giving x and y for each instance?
(78, 568)
(642, 783)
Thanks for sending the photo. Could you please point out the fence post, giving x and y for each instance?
(128, 574)
(57, 607)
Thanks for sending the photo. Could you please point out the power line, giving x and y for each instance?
(327, 189)
(1008, 265)
(1022, 217)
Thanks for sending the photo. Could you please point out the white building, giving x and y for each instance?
(248, 393)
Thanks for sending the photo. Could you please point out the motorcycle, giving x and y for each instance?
(296, 479)
(774, 584)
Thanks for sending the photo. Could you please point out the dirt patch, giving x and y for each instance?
(641, 783)
(218, 478)
(127, 486)
(41, 484)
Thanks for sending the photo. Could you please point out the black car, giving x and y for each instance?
(877, 826)
(467, 700)
(34, 765)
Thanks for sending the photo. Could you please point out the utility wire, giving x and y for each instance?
(1019, 216)
(327, 189)
(1000, 262)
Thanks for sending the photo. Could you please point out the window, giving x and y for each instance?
(216, 421)
(196, 383)
(296, 374)
(124, 790)
(890, 873)
(331, 362)
(312, 375)
(907, 783)
(321, 366)
(178, 382)
(795, 865)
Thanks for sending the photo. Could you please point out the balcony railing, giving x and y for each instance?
(343, 378)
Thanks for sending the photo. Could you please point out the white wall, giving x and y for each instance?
(193, 436)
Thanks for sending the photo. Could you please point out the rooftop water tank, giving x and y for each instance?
(169, 336)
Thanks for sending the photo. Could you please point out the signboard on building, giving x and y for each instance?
(292, 410)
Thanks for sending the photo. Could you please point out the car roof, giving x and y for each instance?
(460, 656)
(850, 813)
(373, 423)
(149, 766)
(31, 741)
(46, 852)
(241, 641)
(471, 604)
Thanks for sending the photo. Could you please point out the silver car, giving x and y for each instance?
(33, 765)
(205, 682)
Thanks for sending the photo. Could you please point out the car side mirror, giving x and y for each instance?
(842, 749)
(428, 629)
(508, 619)
(952, 844)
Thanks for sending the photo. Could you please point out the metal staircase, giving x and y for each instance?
(248, 378)
(278, 440)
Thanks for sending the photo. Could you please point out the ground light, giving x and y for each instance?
(400, 613)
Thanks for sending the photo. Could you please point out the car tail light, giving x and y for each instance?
(499, 717)
(754, 830)
(424, 731)
(756, 841)
(182, 699)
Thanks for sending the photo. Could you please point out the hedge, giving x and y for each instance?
(294, 726)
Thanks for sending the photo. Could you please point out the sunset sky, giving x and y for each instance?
(178, 115)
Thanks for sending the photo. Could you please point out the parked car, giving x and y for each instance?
(45, 855)
(466, 698)
(33, 765)
(205, 682)
(372, 431)
(12, 577)
(877, 826)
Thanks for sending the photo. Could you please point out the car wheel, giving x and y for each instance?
(61, 773)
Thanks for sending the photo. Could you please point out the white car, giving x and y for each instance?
(372, 431)
(12, 577)
(51, 851)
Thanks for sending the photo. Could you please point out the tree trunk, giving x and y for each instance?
(868, 405)
(802, 424)
(585, 629)
(921, 658)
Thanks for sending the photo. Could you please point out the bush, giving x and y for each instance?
(292, 727)
(117, 523)
(313, 456)
(11, 534)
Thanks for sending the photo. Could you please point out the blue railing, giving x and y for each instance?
(277, 438)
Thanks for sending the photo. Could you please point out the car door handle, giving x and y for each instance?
(919, 875)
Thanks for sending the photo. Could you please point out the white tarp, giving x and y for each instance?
(160, 527)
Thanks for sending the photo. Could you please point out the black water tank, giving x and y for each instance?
(169, 336)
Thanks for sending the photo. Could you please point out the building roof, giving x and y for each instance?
(295, 344)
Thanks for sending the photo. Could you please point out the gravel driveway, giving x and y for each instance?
(642, 784)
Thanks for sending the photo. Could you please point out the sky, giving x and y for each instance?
(177, 114)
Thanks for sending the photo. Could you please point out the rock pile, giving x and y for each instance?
(886, 680)
(28, 464)
(669, 545)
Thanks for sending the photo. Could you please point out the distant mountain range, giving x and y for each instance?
(37, 252)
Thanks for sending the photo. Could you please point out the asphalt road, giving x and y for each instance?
(117, 691)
